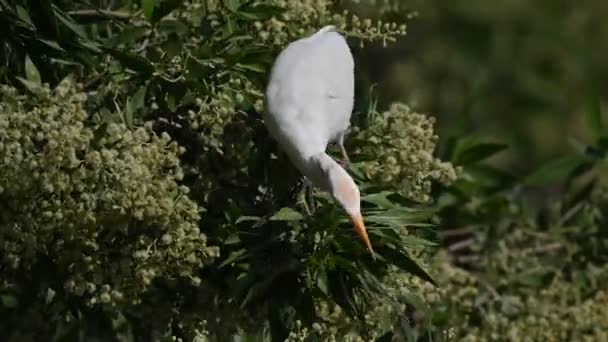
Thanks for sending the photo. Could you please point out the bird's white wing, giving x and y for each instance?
(310, 94)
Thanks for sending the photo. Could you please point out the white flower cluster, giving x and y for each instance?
(101, 202)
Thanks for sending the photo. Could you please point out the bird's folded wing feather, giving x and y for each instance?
(310, 93)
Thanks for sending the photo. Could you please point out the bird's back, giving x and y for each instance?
(310, 93)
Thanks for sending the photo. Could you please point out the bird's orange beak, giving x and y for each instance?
(359, 227)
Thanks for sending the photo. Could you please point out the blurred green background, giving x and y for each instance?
(514, 71)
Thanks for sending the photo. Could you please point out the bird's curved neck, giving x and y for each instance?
(317, 168)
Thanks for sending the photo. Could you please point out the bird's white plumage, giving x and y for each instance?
(310, 94)
(309, 101)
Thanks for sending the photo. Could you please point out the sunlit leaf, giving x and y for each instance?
(287, 214)
(32, 87)
(31, 72)
(232, 257)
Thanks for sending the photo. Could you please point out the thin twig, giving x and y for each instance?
(569, 214)
(461, 244)
(467, 259)
(543, 249)
(456, 231)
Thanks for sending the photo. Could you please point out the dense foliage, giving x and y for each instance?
(141, 198)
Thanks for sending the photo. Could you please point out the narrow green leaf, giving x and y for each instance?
(477, 153)
(247, 218)
(234, 256)
(462, 144)
(69, 23)
(147, 7)
(130, 34)
(594, 115)
(322, 282)
(52, 44)
(380, 199)
(259, 68)
(31, 72)
(259, 11)
(50, 295)
(137, 101)
(32, 87)
(128, 117)
(554, 171)
(406, 263)
(24, 15)
(133, 62)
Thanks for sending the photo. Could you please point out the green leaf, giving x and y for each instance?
(69, 23)
(555, 171)
(32, 87)
(137, 101)
(163, 8)
(9, 301)
(259, 11)
(232, 240)
(24, 15)
(232, 257)
(173, 46)
(594, 115)
(398, 216)
(133, 62)
(287, 214)
(247, 218)
(50, 295)
(130, 34)
(51, 44)
(147, 7)
(402, 260)
(489, 176)
(322, 282)
(476, 153)
(31, 72)
(232, 5)
(380, 199)
(259, 68)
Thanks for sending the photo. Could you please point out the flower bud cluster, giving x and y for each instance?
(100, 201)
(401, 144)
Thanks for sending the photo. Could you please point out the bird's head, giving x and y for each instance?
(343, 188)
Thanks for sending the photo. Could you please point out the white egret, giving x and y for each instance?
(309, 101)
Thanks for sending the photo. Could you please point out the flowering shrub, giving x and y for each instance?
(100, 201)
(141, 196)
